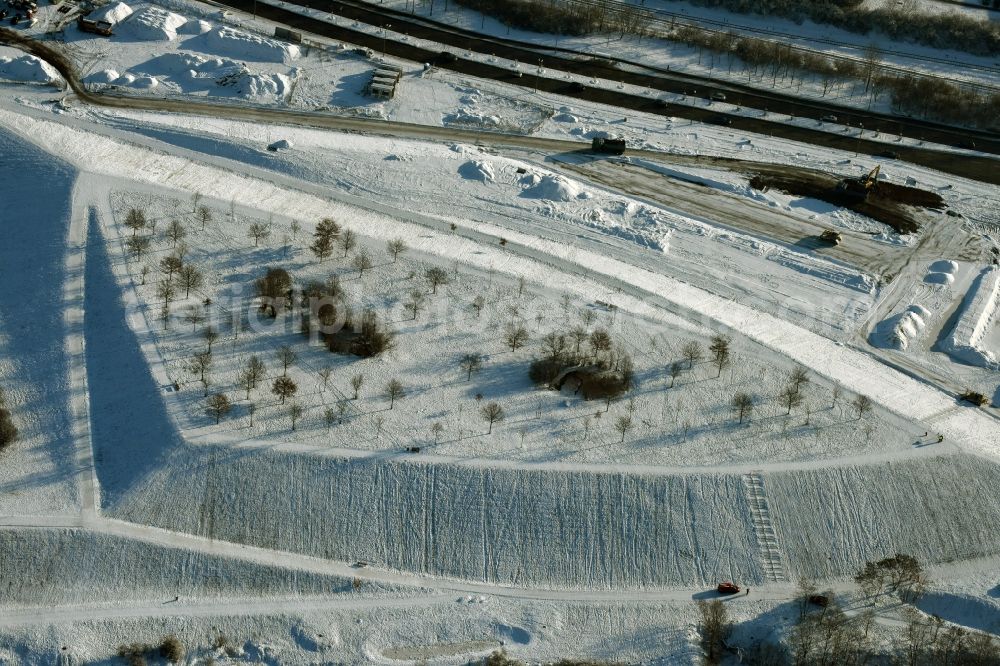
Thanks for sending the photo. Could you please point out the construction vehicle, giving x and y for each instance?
(831, 237)
(860, 188)
(609, 146)
(728, 587)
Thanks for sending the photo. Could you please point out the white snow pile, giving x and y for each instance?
(477, 170)
(898, 331)
(470, 118)
(978, 312)
(228, 41)
(551, 187)
(942, 272)
(133, 81)
(105, 76)
(194, 27)
(29, 69)
(114, 13)
(254, 85)
(153, 24)
(565, 117)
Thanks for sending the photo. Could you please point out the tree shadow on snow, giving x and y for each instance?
(130, 428)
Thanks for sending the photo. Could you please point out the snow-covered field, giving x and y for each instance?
(129, 513)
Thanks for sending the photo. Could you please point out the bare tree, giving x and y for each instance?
(719, 348)
(415, 303)
(259, 231)
(714, 628)
(137, 246)
(356, 382)
(201, 364)
(835, 395)
(600, 341)
(322, 247)
(394, 389)
(515, 335)
(492, 412)
(284, 387)
(194, 316)
(329, 417)
(790, 397)
(135, 220)
(255, 370)
(675, 371)
(165, 291)
(210, 335)
(218, 406)
(692, 353)
(436, 430)
(171, 265)
(478, 303)
(190, 278)
(362, 262)
(175, 232)
(862, 405)
(799, 377)
(295, 412)
(471, 363)
(286, 355)
(578, 334)
(743, 405)
(205, 215)
(396, 247)
(324, 374)
(348, 240)
(436, 276)
(623, 424)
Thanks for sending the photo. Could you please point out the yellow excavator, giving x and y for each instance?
(860, 188)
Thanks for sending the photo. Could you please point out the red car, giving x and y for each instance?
(728, 587)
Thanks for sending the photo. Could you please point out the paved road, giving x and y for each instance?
(583, 64)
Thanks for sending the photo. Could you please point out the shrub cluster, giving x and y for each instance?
(365, 336)
(604, 370)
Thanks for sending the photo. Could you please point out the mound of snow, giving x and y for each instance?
(189, 65)
(898, 331)
(552, 188)
(565, 118)
(194, 27)
(977, 314)
(282, 144)
(476, 170)
(939, 278)
(153, 24)
(145, 82)
(469, 117)
(239, 44)
(944, 266)
(114, 13)
(104, 76)
(252, 85)
(28, 68)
